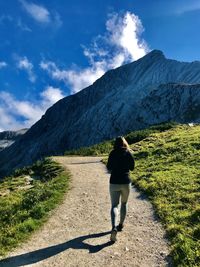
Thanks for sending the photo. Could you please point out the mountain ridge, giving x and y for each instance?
(115, 104)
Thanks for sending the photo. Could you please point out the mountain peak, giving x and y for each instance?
(157, 54)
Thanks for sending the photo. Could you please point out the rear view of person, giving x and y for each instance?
(120, 162)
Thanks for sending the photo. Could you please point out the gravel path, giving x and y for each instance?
(78, 232)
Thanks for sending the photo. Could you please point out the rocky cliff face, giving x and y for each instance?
(171, 102)
(7, 138)
(148, 91)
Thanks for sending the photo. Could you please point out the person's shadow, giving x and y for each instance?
(44, 253)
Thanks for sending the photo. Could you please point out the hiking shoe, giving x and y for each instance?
(120, 227)
(113, 236)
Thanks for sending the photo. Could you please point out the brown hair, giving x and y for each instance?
(120, 142)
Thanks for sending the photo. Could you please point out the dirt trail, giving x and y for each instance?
(78, 232)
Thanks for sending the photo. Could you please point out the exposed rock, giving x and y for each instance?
(7, 138)
(177, 102)
(150, 90)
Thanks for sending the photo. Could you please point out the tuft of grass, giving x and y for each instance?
(26, 198)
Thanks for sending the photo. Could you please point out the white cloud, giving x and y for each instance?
(50, 96)
(37, 12)
(120, 44)
(7, 121)
(41, 14)
(17, 114)
(24, 64)
(124, 32)
(3, 64)
(76, 79)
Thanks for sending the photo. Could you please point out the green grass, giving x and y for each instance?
(168, 171)
(95, 150)
(25, 203)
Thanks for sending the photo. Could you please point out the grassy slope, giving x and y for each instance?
(168, 171)
(25, 203)
(133, 137)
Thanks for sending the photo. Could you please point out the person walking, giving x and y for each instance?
(120, 162)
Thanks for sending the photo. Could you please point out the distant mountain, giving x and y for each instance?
(7, 138)
(150, 90)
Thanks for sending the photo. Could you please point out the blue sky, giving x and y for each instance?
(53, 48)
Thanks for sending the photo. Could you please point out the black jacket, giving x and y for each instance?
(120, 161)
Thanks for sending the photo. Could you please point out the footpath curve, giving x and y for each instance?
(78, 231)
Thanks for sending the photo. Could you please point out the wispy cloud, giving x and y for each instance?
(41, 14)
(3, 64)
(23, 26)
(37, 12)
(56, 20)
(5, 18)
(12, 109)
(120, 44)
(186, 6)
(76, 79)
(24, 64)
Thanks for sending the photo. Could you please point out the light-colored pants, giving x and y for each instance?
(117, 191)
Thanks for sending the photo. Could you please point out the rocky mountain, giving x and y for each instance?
(7, 138)
(150, 90)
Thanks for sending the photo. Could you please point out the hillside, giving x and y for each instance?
(168, 171)
(151, 90)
